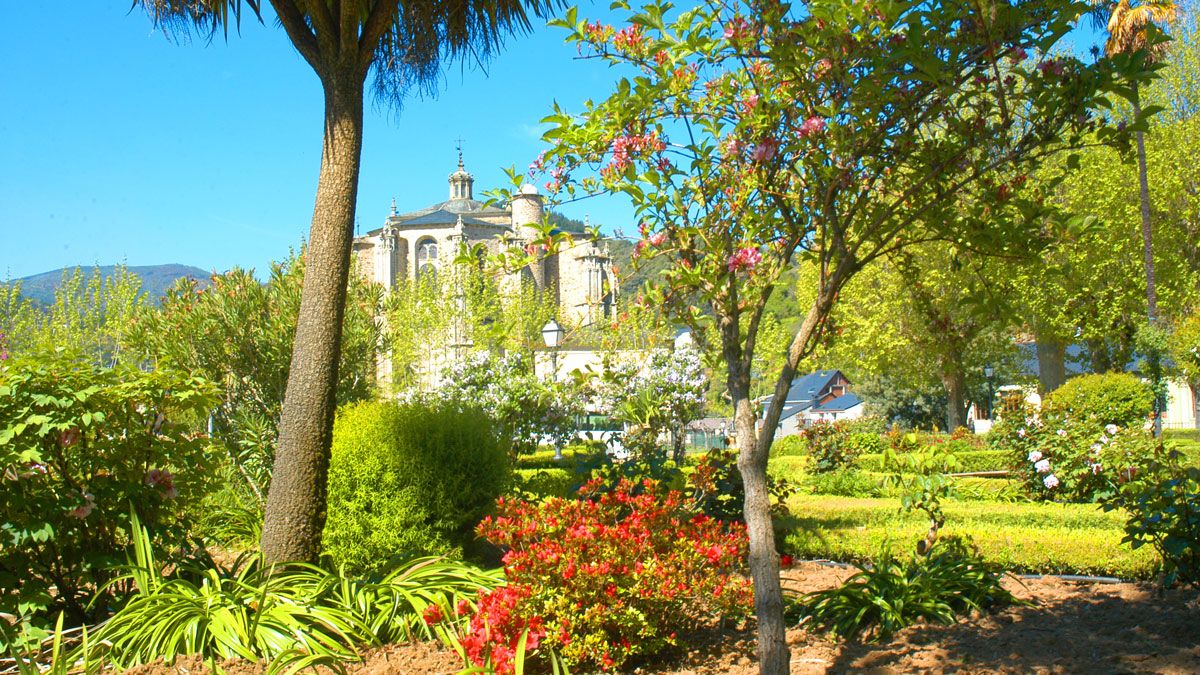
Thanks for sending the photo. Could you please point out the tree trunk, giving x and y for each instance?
(1052, 364)
(295, 513)
(773, 654)
(1144, 196)
(1195, 387)
(955, 383)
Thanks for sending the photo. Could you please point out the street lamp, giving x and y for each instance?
(552, 334)
(988, 372)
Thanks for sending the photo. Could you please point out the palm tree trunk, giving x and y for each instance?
(295, 513)
(1144, 196)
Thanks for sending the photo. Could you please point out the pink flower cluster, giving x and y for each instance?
(745, 259)
(625, 147)
(162, 480)
(811, 127)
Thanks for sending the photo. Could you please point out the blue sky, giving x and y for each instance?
(119, 145)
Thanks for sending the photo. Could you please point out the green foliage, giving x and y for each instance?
(79, 444)
(1108, 398)
(792, 445)
(716, 488)
(890, 594)
(90, 318)
(1044, 538)
(923, 484)
(239, 332)
(866, 425)
(966, 461)
(295, 616)
(409, 479)
(846, 483)
(1163, 503)
(534, 484)
(828, 445)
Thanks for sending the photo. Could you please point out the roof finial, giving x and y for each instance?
(458, 146)
(393, 206)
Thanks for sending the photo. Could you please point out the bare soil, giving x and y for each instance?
(1070, 628)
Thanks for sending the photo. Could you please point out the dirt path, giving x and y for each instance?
(1070, 628)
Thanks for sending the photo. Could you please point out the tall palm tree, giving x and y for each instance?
(401, 45)
(1129, 29)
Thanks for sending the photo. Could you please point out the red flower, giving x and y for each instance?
(786, 560)
(432, 615)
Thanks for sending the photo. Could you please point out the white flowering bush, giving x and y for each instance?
(660, 396)
(530, 410)
(1072, 459)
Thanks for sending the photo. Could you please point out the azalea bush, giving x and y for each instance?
(80, 444)
(606, 578)
(1072, 459)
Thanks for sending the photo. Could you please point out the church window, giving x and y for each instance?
(427, 259)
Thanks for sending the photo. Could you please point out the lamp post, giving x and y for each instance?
(552, 334)
(988, 372)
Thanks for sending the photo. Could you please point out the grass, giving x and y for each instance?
(1023, 537)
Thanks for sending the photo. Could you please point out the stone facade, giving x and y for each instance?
(409, 245)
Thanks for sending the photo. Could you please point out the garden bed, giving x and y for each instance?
(1070, 627)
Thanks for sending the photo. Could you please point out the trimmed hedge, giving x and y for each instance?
(409, 480)
(1036, 538)
(546, 482)
(971, 460)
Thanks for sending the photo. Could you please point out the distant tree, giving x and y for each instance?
(403, 45)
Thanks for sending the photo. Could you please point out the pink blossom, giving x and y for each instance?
(84, 510)
(748, 103)
(1062, 432)
(811, 127)
(658, 239)
(745, 258)
(1050, 482)
(733, 148)
(163, 480)
(764, 150)
(1043, 466)
(1021, 432)
(1110, 429)
(821, 67)
(1035, 456)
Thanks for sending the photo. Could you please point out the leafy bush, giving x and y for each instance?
(602, 580)
(789, 446)
(867, 424)
(715, 487)
(1072, 458)
(406, 479)
(828, 445)
(890, 594)
(78, 445)
(538, 483)
(297, 616)
(1163, 503)
(1109, 398)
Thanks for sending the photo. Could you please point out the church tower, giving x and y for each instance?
(461, 182)
(527, 214)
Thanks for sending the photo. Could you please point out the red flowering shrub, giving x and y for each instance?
(607, 577)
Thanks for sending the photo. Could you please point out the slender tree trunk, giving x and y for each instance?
(1052, 364)
(955, 383)
(773, 654)
(295, 513)
(1195, 387)
(1147, 239)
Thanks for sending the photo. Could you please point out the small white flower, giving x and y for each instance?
(1111, 429)
(1050, 482)
(1096, 448)
(1035, 456)
(1042, 466)
(1096, 468)
(1104, 439)
(1062, 432)
(1021, 432)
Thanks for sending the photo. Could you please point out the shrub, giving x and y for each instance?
(828, 445)
(1163, 503)
(78, 445)
(1072, 459)
(789, 446)
(538, 483)
(846, 483)
(966, 462)
(890, 594)
(602, 580)
(406, 479)
(1109, 398)
(868, 424)
(715, 487)
(860, 443)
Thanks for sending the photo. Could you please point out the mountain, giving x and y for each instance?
(156, 279)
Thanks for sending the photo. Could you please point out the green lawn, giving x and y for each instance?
(1024, 537)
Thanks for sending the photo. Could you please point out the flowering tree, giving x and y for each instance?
(662, 395)
(754, 134)
(531, 410)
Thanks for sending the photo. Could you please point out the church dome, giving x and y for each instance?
(461, 182)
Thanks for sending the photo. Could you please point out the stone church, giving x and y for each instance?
(410, 245)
